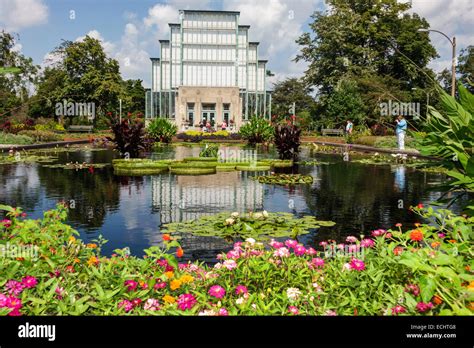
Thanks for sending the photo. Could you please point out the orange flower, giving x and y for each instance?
(76, 260)
(435, 244)
(72, 239)
(91, 245)
(166, 237)
(169, 274)
(175, 284)
(437, 300)
(417, 224)
(70, 268)
(471, 286)
(93, 261)
(416, 235)
(169, 299)
(452, 241)
(180, 252)
(397, 250)
(471, 306)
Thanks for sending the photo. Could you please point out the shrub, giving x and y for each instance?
(287, 141)
(129, 136)
(41, 136)
(257, 130)
(162, 130)
(8, 138)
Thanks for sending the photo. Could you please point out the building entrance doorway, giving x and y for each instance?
(208, 114)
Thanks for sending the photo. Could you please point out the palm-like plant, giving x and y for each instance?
(257, 130)
(162, 130)
(128, 136)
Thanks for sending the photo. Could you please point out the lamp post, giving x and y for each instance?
(453, 67)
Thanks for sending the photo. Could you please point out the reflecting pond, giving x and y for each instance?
(129, 211)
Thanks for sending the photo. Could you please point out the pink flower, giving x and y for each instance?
(275, 244)
(186, 301)
(3, 300)
(367, 243)
(240, 289)
(14, 287)
(317, 262)
(299, 250)
(230, 264)
(346, 267)
(413, 289)
(388, 235)
(233, 254)
(217, 291)
(14, 313)
(323, 244)
(126, 304)
(293, 310)
(29, 282)
(152, 305)
(136, 302)
(6, 223)
(291, 243)
(223, 312)
(13, 302)
(130, 284)
(423, 307)
(331, 313)
(398, 309)
(159, 285)
(311, 251)
(59, 291)
(351, 239)
(353, 248)
(441, 235)
(378, 233)
(340, 246)
(358, 265)
(237, 245)
(282, 252)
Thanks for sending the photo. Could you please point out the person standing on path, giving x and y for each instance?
(401, 130)
(349, 127)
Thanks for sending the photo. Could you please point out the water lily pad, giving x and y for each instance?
(285, 179)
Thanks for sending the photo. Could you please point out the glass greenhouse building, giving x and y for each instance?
(208, 71)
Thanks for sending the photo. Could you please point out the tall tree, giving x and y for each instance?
(466, 67)
(17, 75)
(365, 37)
(289, 91)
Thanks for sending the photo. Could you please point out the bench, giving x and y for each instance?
(332, 132)
(80, 128)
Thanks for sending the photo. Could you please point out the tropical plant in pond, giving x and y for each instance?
(259, 225)
(128, 136)
(257, 130)
(285, 179)
(162, 130)
(287, 141)
(209, 150)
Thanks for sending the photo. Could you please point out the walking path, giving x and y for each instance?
(7, 147)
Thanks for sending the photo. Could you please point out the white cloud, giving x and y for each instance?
(108, 46)
(19, 14)
(454, 18)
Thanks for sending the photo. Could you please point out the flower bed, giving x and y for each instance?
(426, 270)
(197, 136)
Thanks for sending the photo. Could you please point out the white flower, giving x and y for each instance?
(258, 215)
(229, 221)
(218, 265)
(293, 293)
(265, 214)
(251, 241)
(347, 266)
(254, 306)
(240, 301)
(208, 312)
(235, 215)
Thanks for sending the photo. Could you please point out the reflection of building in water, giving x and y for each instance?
(181, 198)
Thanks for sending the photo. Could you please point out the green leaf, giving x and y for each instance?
(427, 288)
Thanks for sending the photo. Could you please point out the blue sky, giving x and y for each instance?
(129, 29)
